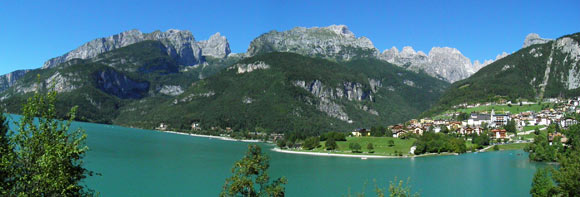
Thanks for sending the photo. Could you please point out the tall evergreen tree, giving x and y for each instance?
(542, 183)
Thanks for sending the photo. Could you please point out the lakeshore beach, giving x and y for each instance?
(210, 136)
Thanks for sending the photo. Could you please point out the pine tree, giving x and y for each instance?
(542, 183)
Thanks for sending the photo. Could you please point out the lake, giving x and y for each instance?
(135, 162)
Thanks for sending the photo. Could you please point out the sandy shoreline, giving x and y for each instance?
(210, 136)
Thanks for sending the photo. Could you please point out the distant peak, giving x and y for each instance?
(408, 50)
(340, 30)
(392, 50)
(447, 50)
(173, 31)
(534, 38)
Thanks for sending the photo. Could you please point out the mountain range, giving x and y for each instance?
(334, 42)
(304, 79)
(544, 68)
(143, 79)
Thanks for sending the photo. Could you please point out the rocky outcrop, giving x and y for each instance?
(534, 38)
(335, 41)
(62, 83)
(327, 96)
(171, 90)
(571, 49)
(246, 68)
(180, 45)
(216, 46)
(338, 42)
(119, 85)
(349, 90)
(441, 62)
(8, 80)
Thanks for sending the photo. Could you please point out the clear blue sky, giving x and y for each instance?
(33, 32)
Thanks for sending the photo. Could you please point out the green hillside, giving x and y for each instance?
(141, 86)
(268, 98)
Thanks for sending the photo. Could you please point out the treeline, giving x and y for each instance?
(561, 181)
(297, 140)
(439, 143)
(542, 150)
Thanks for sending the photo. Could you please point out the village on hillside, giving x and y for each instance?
(460, 122)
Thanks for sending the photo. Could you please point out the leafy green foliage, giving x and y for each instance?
(370, 147)
(281, 143)
(481, 140)
(396, 188)
(6, 157)
(511, 126)
(567, 175)
(542, 183)
(337, 136)
(330, 144)
(311, 143)
(438, 143)
(354, 147)
(391, 143)
(541, 150)
(47, 157)
(250, 177)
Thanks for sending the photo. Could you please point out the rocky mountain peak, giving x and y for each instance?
(335, 41)
(8, 80)
(341, 30)
(180, 44)
(444, 50)
(408, 51)
(534, 38)
(216, 46)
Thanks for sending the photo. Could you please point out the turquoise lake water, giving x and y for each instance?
(136, 162)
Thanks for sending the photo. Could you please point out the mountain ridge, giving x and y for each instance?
(542, 70)
(337, 41)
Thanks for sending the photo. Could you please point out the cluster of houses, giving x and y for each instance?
(477, 122)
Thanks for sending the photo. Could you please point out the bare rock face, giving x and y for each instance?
(216, 46)
(327, 96)
(120, 85)
(180, 45)
(247, 68)
(335, 41)
(171, 90)
(441, 62)
(534, 38)
(571, 49)
(8, 80)
(338, 42)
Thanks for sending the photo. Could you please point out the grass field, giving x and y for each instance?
(380, 144)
